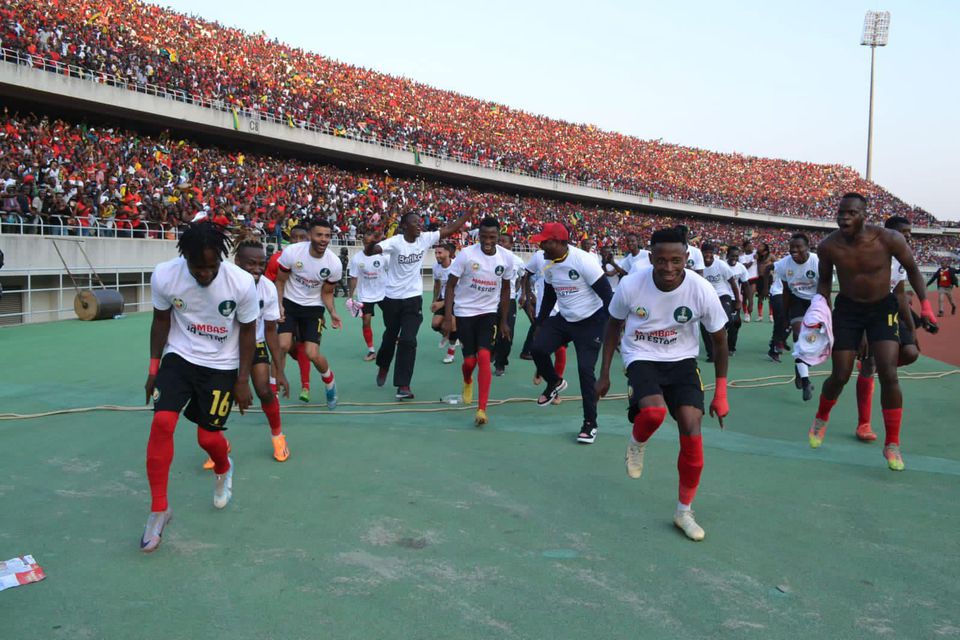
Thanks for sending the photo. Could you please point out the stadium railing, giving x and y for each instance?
(15, 56)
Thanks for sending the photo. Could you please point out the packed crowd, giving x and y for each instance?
(74, 178)
(144, 43)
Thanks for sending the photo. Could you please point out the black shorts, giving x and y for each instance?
(304, 322)
(879, 321)
(206, 393)
(442, 310)
(477, 332)
(678, 382)
(798, 307)
(261, 355)
(368, 308)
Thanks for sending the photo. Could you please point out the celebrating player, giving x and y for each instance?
(657, 310)
(478, 294)
(251, 257)
(443, 255)
(501, 351)
(742, 279)
(865, 306)
(403, 302)
(367, 272)
(574, 282)
(748, 258)
(204, 328)
(727, 285)
(798, 274)
(305, 284)
(299, 353)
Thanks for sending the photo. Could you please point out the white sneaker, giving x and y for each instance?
(634, 458)
(448, 359)
(746, 318)
(685, 522)
(153, 532)
(224, 488)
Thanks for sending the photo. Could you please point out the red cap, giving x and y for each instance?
(551, 231)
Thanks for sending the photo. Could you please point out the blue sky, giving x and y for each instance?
(774, 79)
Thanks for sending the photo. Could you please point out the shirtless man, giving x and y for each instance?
(862, 255)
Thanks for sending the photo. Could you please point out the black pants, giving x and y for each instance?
(501, 351)
(587, 337)
(733, 328)
(402, 319)
(732, 313)
(780, 325)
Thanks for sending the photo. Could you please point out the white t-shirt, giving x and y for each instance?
(572, 280)
(269, 306)
(479, 278)
(752, 269)
(664, 326)
(897, 273)
(441, 274)
(370, 272)
(631, 262)
(406, 260)
(718, 274)
(518, 268)
(694, 258)
(206, 320)
(801, 278)
(739, 272)
(776, 285)
(307, 274)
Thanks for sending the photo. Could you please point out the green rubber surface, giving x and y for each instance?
(418, 525)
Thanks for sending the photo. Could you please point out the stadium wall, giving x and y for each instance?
(84, 95)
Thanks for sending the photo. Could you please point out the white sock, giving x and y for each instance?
(683, 507)
(803, 369)
(273, 380)
(324, 374)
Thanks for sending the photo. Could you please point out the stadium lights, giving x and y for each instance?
(876, 33)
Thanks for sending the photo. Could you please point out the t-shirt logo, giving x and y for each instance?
(642, 312)
(499, 270)
(261, 304)
(179, 304)
(683, 315)
(376, 264)
(475, 266)
(298, 264)
(901, 269)
(789, 273)
(324, 273)
(227, 307)
(811, 337)
(689, 263)
(811, 273)
(573, 275)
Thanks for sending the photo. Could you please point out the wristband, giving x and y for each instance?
(720, 390)
(154, 366)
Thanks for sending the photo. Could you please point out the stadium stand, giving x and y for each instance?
(200, 60)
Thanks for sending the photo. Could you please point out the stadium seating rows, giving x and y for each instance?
(119, 182)
(148, 44)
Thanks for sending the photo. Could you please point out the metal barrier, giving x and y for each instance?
(15, 56)
(16, 224)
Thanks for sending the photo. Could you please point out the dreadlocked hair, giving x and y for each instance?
(203, 235)
(247, 238)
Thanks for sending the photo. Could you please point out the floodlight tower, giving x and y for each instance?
(876, 32)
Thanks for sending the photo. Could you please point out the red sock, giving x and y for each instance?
(891, 422)
(451, 351)
(216, 447)
(159, 456)
(864, 398)
(273, 388)
(327, 378)
(560, 361)
(648, 420)
(368, 336)
(469, 362)
(823, 413)
(690, 465)
(484, 377)
(304, 363)
(760, 309)
(272, 411)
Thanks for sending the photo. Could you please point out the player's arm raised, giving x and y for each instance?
(456, 225)
(900, 251)
(159, 331)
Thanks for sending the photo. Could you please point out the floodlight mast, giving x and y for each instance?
(876, 33)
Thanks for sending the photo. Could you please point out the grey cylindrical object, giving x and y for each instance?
(98, 304)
